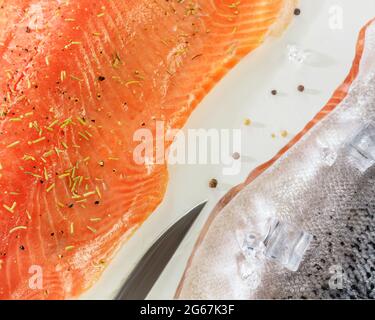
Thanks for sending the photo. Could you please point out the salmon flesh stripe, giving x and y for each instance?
(77, 79)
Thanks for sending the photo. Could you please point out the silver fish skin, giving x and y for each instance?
(323, 186)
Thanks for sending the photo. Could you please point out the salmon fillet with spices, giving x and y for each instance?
(77, 79)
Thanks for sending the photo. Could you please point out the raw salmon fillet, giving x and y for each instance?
(77, 79)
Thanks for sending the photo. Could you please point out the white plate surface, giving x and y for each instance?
(245, 93)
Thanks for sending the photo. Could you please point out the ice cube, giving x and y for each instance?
(282, 243)
(296, 54)
(287, 244)
(250, 274)
(362, 148)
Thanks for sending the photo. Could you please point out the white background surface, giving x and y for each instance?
(245, 93)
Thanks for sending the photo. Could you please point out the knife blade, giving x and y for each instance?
(149, 268)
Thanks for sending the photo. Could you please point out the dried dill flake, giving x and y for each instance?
(116, 61)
